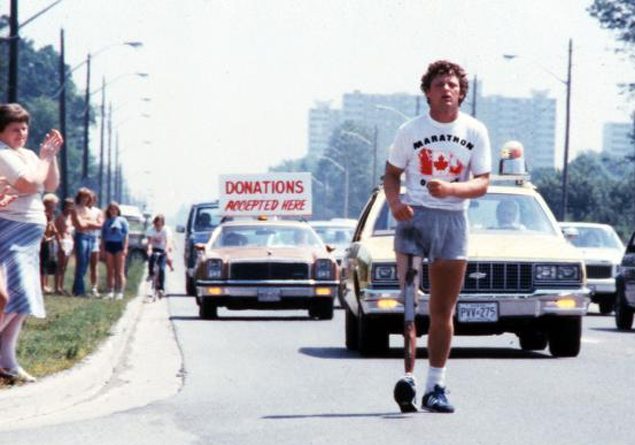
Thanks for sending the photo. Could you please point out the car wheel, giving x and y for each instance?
(351, 327)
(372, 337)
(207, 310)
(190, 286)
(565, 334)
(623, 313)
(321, 309)
(532, 341)
(607, 305)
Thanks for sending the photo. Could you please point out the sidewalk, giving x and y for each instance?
(139, 363)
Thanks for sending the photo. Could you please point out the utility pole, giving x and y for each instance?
(375, 131)
(108, 170)
(475, 85)
(566, 135)
(62, 112)
(14, 41)
(86, 121)
(100, 185)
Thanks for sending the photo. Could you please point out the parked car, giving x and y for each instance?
(137, 225)
(201, 221)
(266, 264)
(602, 250)
(336, 232)
(625, 284)
(522, 277)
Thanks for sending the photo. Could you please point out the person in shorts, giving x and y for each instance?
(445, 157)
(114, 240)
(65, 229)
(50, 242)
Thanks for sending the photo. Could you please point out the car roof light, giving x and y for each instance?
(512, 159)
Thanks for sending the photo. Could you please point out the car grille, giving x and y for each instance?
(269, 271)
(492, 277)
(599, 271)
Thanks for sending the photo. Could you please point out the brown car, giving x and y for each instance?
(272, 264)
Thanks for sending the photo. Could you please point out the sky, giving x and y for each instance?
(231, 81)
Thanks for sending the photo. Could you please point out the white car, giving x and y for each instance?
(602, 250)
(336, 232)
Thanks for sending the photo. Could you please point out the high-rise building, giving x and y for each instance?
(617, 139)
(322, 121)
(531, 120)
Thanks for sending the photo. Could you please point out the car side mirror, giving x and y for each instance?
(199, 247)
(330, 248)
(180, 229)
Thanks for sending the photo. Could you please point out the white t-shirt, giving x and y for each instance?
(159, 239)
(14, 164)
(426, 149)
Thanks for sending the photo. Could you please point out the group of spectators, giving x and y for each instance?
(91, 234)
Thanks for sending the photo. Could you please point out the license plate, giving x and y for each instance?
(268, 295)
(477, 312)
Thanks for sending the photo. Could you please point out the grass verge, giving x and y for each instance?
(74, 327)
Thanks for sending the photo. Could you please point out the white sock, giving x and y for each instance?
(436, 376)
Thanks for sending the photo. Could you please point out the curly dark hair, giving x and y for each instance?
(441, 68)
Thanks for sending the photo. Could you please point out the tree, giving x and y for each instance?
(619, 16)
(38, 72)
(600, 190)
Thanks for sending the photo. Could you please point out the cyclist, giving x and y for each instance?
(160, 243)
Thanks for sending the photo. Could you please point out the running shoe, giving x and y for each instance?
(405, 393)
(436, 401)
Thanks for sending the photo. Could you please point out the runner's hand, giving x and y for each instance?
(401, 211)
(439, 188)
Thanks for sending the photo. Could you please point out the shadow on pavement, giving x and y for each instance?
(456, 353)
(242, 318)
(613, 330)
(387, 415)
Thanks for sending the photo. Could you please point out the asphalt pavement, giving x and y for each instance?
(138, 364)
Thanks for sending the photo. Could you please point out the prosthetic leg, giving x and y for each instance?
(405, 389)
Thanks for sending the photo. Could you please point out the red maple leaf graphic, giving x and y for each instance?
(441, 163)
(457, 168)
(425, 161)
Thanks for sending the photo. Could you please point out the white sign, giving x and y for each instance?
(287, 194)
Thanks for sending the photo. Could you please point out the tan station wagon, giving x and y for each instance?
(256, 264)
(522, 275)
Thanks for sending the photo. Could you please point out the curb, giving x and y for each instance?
(75, 385)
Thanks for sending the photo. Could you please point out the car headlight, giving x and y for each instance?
(558, 272)
(214, 269)
(324, 270)
(384, 273)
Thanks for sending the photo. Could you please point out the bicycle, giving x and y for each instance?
(158, 263)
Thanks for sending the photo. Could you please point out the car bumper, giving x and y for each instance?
(565, 302)
(601, 285)
(266, 293)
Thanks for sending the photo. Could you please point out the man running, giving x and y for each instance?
(446, 158)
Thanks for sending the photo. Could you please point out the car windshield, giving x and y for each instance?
(492, 213)
(206, 218)
(266, 236)
(602, 237)
(337, 236)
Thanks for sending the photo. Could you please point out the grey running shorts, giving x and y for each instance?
(433, 234)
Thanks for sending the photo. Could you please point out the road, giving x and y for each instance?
(259, 377)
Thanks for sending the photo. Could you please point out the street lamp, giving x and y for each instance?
(345, 170)
(372, 144)
(567, 83)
